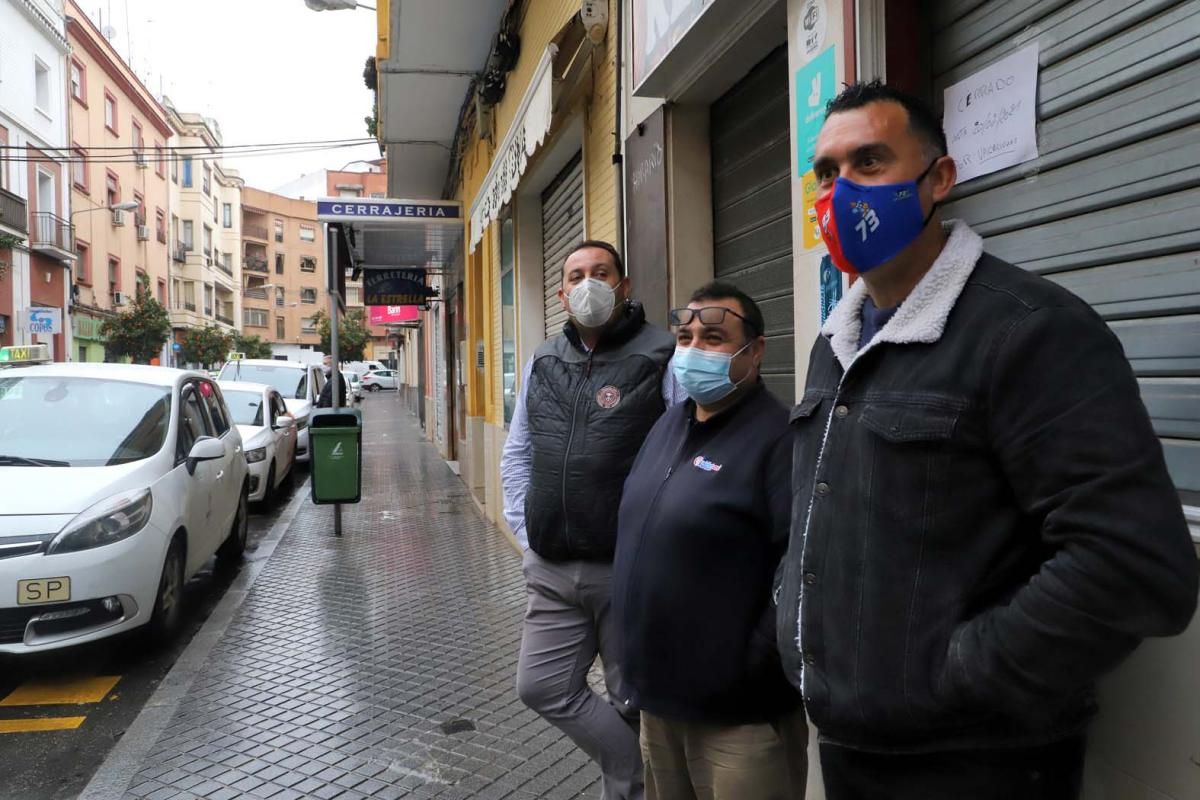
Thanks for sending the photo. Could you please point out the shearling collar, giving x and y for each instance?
(922, 316)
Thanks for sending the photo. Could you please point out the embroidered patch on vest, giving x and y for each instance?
(608, 397)
(700, 462)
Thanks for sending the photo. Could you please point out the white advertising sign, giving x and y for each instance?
(990, 117)
(45, 320)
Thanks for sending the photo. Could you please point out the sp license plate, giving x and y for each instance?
(43, 590)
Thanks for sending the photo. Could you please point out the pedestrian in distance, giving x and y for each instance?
(325, 398)
(984, 523)
(587, 399)
(704, 521)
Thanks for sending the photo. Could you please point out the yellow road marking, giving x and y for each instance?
(61, 691)
(38, 725)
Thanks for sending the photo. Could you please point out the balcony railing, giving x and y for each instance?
(179, 254)
(225, 319)
(256, 294)
(255, 265)
(14, 213)
(255, 231)
(228, 270)
(189, 306)
(51, 233)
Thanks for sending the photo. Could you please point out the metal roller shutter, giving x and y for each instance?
(562, 229)
(752, 211)
(1111, 208)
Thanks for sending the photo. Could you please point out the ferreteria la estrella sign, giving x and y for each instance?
(353, 209)
(396, 287)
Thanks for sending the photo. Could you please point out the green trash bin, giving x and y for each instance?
(335, 439)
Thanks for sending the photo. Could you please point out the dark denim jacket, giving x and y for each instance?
(983, 521)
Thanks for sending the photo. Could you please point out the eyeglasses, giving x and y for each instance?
(709, 315)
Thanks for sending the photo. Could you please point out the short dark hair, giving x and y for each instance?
(716, 290)
(921, 118)
(599, 244)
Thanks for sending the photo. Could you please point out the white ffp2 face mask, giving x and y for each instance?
(591, 303)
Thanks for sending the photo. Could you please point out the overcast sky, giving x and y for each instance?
(267, 70)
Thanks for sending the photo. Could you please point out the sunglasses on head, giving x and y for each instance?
(709, 315)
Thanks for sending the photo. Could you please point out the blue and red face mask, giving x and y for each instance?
(866, 226)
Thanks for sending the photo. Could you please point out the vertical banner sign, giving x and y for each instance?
(831, 287)
(816, 85)
(991, 117)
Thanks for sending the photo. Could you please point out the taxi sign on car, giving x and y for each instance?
(22, 355)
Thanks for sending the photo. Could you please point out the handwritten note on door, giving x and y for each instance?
(990, 117)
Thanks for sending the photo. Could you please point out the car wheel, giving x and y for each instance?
(269, 493)
(374, 387)
(234, 546)
(168, 604)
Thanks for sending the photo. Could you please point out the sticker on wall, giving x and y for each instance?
(812, 28)
(831, 287)
(816, 85)
(812, 231)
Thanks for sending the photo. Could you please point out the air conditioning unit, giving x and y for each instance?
(139, 158)
(119, 298)
(118, 217)
(143, 233)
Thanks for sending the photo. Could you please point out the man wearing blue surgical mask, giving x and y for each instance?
(984, 523)
(703, 523)
(587, 398)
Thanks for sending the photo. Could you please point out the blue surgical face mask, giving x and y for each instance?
(704, 374)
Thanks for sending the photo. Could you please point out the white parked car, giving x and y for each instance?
(268, 435)
(299, 384)
(379, 379)
(117, 483)
(354, 382)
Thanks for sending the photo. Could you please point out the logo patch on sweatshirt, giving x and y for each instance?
(608, 397)
(700, 462)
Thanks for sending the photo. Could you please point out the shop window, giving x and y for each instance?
(508, 316)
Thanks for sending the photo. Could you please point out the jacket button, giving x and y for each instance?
(809, 659)
(823, 489)
(841, 411)
(809, 578)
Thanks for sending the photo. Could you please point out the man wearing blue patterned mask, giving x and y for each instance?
(703, 522)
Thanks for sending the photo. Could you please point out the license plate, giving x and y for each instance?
(43, 590)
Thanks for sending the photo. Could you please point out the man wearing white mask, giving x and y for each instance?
(588, 398)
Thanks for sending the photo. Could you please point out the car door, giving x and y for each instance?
(227, 488)
(387, 378)
(199, 486)
(285, 434)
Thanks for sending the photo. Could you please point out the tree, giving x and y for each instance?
(140, 332)
(206, 346)
(353, 335)
(251, 346)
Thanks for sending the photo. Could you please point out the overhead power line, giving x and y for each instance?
(206, 148)
(130, 156)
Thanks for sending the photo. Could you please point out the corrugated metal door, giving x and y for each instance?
(562, 229)
(1111, 208)
(752, 207)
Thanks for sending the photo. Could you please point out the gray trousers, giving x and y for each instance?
(567, 622)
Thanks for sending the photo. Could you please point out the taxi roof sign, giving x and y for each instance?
(24, 354)
(235, 356)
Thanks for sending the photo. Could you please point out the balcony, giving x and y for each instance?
(221, 265)
(189, 306)
(14, 213)
(255, 294)
(52, 236)
(255, 265)
(179, 254)
(255, 232)
(224, 319)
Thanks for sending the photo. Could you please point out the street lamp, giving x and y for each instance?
(128, 205)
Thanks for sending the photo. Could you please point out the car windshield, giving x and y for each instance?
(289, 381)
(80, 422)
(246, 407)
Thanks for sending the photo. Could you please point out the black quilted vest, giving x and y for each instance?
(588, 415)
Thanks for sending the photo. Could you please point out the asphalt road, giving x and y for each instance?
(47, 690)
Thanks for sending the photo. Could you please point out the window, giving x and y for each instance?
(308, 233)
(79, 172)
(254, 317)
(141, 209)
(112, 188)
(228, 211)
(508, 317)
(141, 281)
(162, 293)
(279, 296)
(308, 296)
(215, 411)
(206, 180)
(354, 295)
(350, 193)
(308, 264)
(174, 167)
(187, 172)
(189, 295)
(227, 260)
(83, 262)
(207, 241)
(110, 111)
(78, 82)
(176, 293)
(159, 157)
(160, 225)
(308, 325)
(378, 194)
(114, 277)
(41, 80)
(279, 328)
(216, 209)
(189, 241)
(279, 230)
(279, 263)
(208, 300)
(192, 424)
(139, 143)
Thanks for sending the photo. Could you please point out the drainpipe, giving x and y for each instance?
(618, 157)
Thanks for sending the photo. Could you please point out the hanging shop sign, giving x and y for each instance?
(45, 320)
(396, 287)
(658, 25)
(393, 315)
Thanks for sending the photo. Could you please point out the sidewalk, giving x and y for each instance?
(379, 665)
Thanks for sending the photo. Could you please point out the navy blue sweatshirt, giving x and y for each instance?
(703, 523)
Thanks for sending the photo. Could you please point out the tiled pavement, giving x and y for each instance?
(377, 665)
